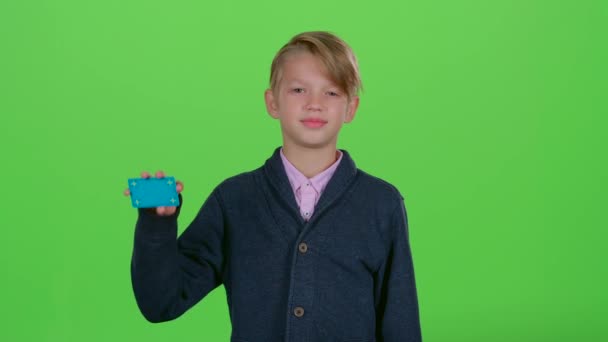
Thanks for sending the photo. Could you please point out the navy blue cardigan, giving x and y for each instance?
(345, 275)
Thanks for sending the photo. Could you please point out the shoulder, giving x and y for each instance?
(241, 179)
(382, 201)
(378, 188)
(242, 185)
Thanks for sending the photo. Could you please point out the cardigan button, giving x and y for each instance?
(298, 311)
(303, 247)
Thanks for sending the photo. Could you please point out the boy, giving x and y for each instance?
(308, 247)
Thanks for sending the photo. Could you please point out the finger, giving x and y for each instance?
(160, 210)
(170, 211)
(180, 186)
(145, 174)
(127, 192)
(160, 174)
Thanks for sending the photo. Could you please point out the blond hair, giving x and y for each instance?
(337, 57)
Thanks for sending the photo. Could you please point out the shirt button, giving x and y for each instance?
(306, 214)
(307, 184)
(298, 311)
(303, 247)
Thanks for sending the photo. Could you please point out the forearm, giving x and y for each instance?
(399, 315)
(400, 321)
(170, 275)
(155, 272)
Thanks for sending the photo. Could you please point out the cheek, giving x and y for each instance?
(291, 104)
(340, 109)
(339, 105)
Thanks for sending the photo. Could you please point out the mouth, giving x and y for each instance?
(314, 123)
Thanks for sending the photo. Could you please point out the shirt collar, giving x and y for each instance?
(318, 182)
(274, 174)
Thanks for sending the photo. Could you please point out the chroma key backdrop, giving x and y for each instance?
(488, 116)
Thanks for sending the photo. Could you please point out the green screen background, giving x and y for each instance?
(488, 116)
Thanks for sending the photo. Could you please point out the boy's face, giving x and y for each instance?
(306, 92)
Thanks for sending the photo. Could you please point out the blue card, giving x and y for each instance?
(153, 192)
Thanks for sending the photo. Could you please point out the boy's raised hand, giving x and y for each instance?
(161, 211)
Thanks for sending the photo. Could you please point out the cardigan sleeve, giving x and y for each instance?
(397, 305)
(171, 275)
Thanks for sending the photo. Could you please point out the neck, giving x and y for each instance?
(311, 161)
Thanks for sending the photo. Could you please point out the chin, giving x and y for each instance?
(314, 144)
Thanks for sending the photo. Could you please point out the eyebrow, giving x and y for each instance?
(296, 80)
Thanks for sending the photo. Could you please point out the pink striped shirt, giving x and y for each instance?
(308, 191)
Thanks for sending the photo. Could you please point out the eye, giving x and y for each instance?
(297, 90)
(332, 93)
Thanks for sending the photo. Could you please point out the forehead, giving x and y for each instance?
(304, 67)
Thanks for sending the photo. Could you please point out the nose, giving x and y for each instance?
(315, 102)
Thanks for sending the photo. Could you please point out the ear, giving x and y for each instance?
(271, 105)
(351, 109)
